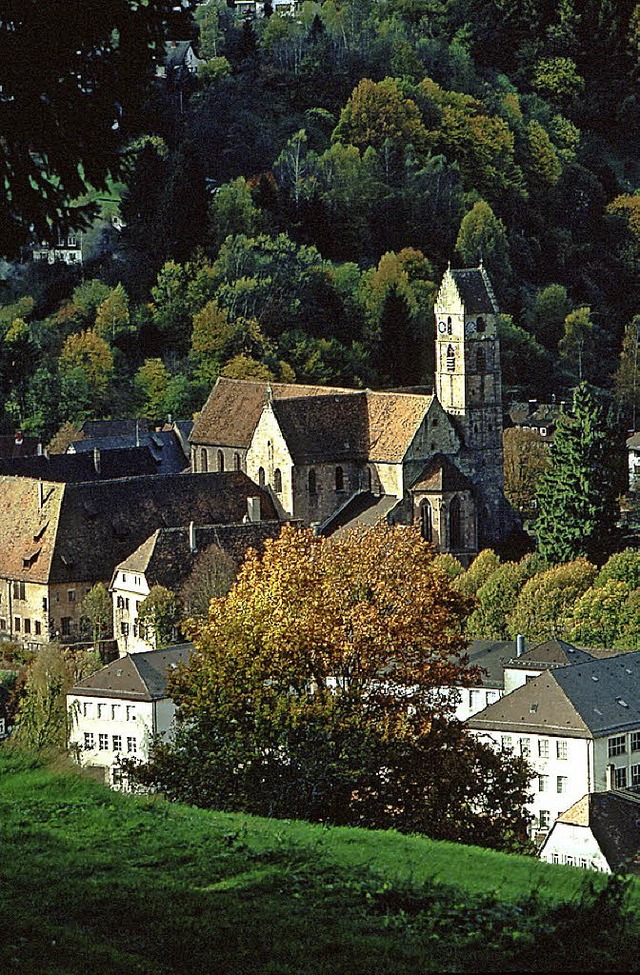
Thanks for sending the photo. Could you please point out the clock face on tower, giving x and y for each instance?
(442, 327)
(470, 328)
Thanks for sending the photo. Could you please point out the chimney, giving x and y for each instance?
(169, 419)
(519, 645)
(253, 509)
(39, 450)
(19, 438)
(192, 538)
(40, 495)
(533, 406)
(96, 459)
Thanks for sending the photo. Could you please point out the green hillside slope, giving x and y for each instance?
(95, 881)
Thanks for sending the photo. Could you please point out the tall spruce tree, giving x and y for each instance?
(577, 494)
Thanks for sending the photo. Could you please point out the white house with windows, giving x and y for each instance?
(67, 249)
(117, 711)
(579, 728)
(507, 664)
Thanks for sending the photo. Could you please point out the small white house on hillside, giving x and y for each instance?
(116, 712)
(599, 832)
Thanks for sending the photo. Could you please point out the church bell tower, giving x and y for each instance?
(468, 384)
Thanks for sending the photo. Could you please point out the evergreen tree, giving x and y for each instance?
(577, 494)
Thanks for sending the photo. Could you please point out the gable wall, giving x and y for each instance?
(576, 846)
(268, 450)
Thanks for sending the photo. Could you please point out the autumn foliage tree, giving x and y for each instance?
(313, 692)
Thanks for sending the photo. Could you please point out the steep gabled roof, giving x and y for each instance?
(231, 413)
(441, 476)
(475, 291)
(319, 423)
(324, 429)
(84, 530)
(394, 420)
(165, 558)
(135, 677)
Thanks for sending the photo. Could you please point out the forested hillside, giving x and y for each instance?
(289, 211)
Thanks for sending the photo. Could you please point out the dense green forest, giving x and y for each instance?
(289, 211)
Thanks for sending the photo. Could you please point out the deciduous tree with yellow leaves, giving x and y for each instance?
(314, 691)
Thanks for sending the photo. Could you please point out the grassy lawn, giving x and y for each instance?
(93, 880)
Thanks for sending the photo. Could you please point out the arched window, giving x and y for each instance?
(237, 466)
(449, 325)
(455, 524)
(277, 480)
(204, 466)
(339, 479)
(220, 461)
(480, 324)
(313, 486)
(451, 359)
(426, 520)
(481, 361)
(269, 453)
(261, 478)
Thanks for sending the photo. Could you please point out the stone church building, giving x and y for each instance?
(334, 457)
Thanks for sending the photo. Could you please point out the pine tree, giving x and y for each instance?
(577, 494)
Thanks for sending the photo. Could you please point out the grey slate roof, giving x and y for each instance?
(551, 653)
(475, 290)
(492, 656)
(606, 693)
(164, 446)
(135, 677)
(75, 468)
(126, 427)
(590, 699)
(362, 510)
